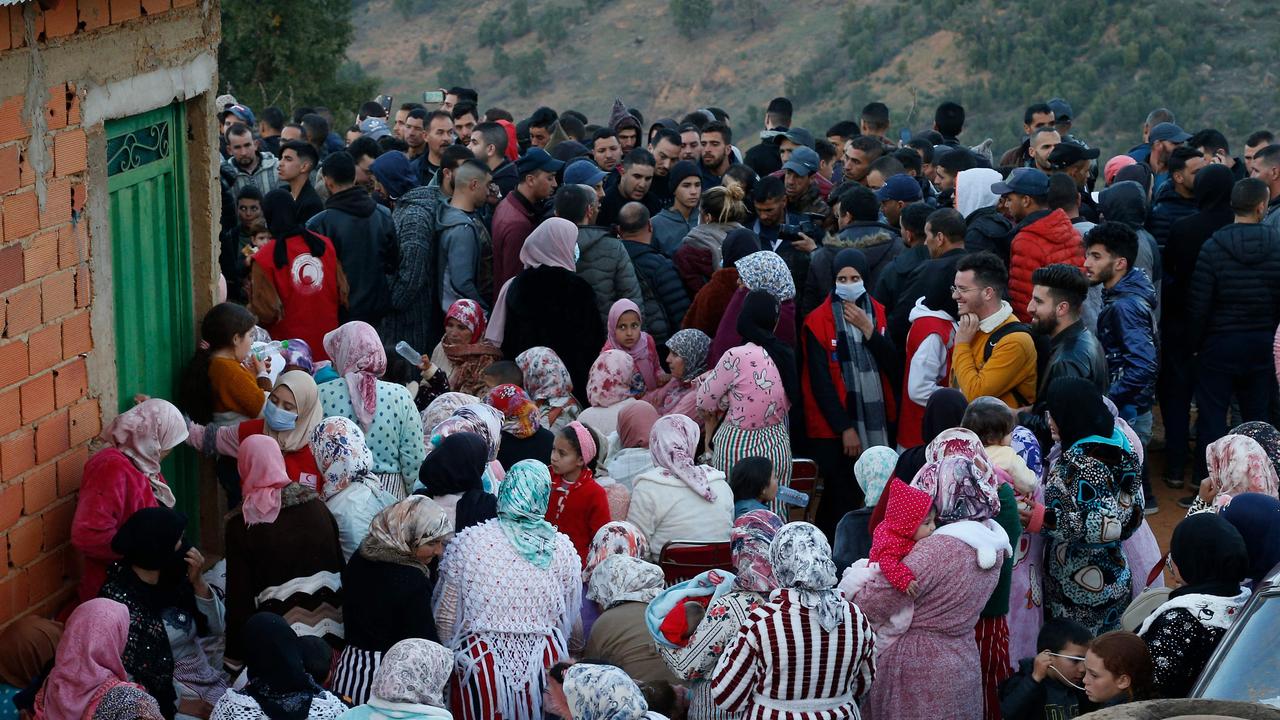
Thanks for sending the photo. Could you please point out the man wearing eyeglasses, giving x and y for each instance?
(994, 354)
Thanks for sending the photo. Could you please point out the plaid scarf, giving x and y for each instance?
(861, 376)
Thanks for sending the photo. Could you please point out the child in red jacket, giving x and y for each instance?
(908, 518)
(579, 506)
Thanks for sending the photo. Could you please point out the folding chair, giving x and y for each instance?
(682, 560)
(804, 478)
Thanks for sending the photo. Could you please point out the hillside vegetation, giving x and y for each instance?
(1211, 62)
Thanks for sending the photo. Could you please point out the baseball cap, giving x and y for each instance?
(537, 159)
(1061, 109)
(899, 187)
(803, 162)
(583, 172)
(1168, 131)
(799, 136)
(1023, 181)
(1067, 154)
(243, 113)
(374, 128)
(222, 102)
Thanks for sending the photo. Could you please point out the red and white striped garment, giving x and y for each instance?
(783, 666)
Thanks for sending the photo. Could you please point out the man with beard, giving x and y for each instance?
(717, 153)
(633, 186)
(994, 354)
(247, 164)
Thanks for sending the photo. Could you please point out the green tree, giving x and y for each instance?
(690, 16)
(493, 30)
(423, 55)
(553, 24)
(289, 53)
(520, 24)
(530, 71)
(454, 71)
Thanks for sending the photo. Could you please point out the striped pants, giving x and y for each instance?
(732, 444)
(353, 677)
(992, 635)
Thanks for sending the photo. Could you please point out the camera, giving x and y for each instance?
(811, 225)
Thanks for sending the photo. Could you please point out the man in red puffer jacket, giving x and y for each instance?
(1041, 237)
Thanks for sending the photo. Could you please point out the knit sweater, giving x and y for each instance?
(234, 388)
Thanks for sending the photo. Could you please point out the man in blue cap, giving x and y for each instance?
(798, 176)
(1164, 138)
(1042, 236)
(1142, 152)
(520, 212)
(896, 193)
(585, 172)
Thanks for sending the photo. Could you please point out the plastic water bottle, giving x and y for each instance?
(406, 351)
(787, 496)
(264, 350)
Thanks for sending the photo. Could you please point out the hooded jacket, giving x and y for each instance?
(1043, 238)
(412, 316)
(1236, 284)
(665, 300)
(603, 262)
(1126, 329)
(1167, 208)
(879, 242)
(365, 237)
(986, 229)
(1188, 235)
(1022, 698)
(466, 259)
(670, 227)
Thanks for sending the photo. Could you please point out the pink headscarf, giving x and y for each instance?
(88, 659)
(262, 477)
(672, 443)
(645, 351)
(610, 379)
(551, 244)
(1238, 464)
(359, 357)
(1114, 165)
(635, 422)
(143, 433)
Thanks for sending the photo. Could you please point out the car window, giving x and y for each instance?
(1250, 669)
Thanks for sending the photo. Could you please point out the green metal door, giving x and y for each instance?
(152, 275)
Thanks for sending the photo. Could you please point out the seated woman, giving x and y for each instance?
(387, 589)
(547, 382)
(679, 499)
(27, 648)
(1254, 516)
(1237, 464)
(622, 587)
(613, 538)
(462, 353)
(409, 683)
(170, 607)
(283, 552)
(604, 692)
(612, 385)
(442, 407)
(1209, 561)
(523, 437)
(121, 479)
(279, 686)
(482, 420)
(351, 491)
(632, 456)
(687, 356)
(1117, 669)
(453, 476)
(383, 410)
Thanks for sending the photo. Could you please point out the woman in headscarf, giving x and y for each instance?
(351, 491)
(297, 356)
(283, 552)
(679, 499)
(290, 415)
(170, 606)
(632, 457)
(1257, 518)
(297, 286)
(508, 597)
(701, 252)
(1208, 561)
(88, 679)
(462, 353)
(710, 302)
(547, 382)
(410, 683)
(548, 305)
(622, 587)
(945, 409)
(523, 437)
(387, 589)
(848, 388)
(611, 387)
(1265, 435)
(872, 472)
(453, 476)
(121, 479)
(1237, 464)
(767, 271)
(383, 410)
(687, 357)
(279, 687)
(806, 630)
(749, 540)
(480, 419)
(625, 334)
(747, 395)
(618, 537)
(27, 648)
(442, 407)
(604, 692)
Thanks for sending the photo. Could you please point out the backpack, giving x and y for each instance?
(1001, 333)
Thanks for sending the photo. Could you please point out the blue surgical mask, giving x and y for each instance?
(850, 292)
(277, 418)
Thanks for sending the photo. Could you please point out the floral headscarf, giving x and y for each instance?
(873, 469)
(443, 407)
(519, 413)
(546, 378)
(618, 537)
(522, 508)
(622, 578)
(692, 345)
(1238, 464)
(749, 540)
(470, 358)
(801, 560)
(644, 352)
(469, 314)
(413, 671)
(766, 270)
(673, 443)
(1265, 435)
(959, 490)
(611, 379)
(1027, 447)
(400, 529)
(297, 354)
(483, 420)
(603, 692)
(262, 479)
(359, 357)
(341, 454)
(143, 433)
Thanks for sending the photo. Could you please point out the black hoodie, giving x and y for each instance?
(365, 238)
(1188, 235)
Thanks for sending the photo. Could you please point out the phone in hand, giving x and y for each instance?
(385, 102)
(433, 96)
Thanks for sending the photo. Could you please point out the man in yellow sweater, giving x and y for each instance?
(994, 354)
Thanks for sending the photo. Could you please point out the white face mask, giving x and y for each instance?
(851, 292)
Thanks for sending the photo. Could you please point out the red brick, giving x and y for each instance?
(71, 382)
(41, 256)
(71, 469)
(57, 524)
(13, 363)
(39, 489)
(122, 10)
(77, 198)
(11, 270)
(55, 108)
(60, 22)
(76, 336)
(17, 454)
(22, 311)
(70, 149)
(58, 295)
(10, 176)
(93, 13)
(86, 422)
(17, 37)
(184, 3)
(21, 215)
(10, 413)
(47, 574)
(44, 347)
(73, 244)
(5, 43)
(4, 562)
(57, 204)
(26, 173)
(25, 540)
(12, 125)
(153, 7)
(10, 504)
(84, 287)
(37, 398)
(52, 438)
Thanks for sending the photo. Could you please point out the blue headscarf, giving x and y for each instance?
(522, 507)
(1257, 517)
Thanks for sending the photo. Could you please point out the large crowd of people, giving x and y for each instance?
(474, 383)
